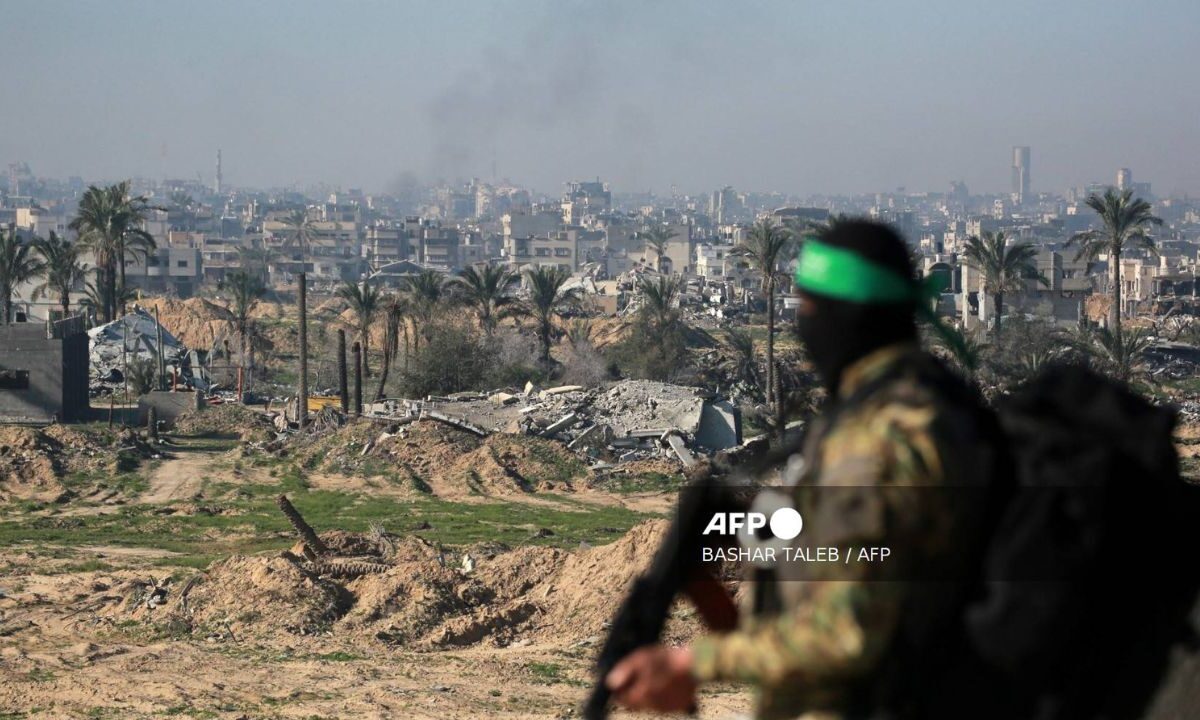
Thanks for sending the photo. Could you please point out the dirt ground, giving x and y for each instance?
(187, 595)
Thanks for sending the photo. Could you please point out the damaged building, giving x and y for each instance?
(43, 372)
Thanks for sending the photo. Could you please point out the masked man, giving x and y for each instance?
(900, 431)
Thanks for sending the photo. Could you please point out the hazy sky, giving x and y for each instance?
(798, 95)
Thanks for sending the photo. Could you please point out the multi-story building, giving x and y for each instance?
(585, 198)
(176, 270)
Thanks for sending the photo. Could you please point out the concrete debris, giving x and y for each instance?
(562, 424)
(459, 423)
(135, 337)
(675, 440)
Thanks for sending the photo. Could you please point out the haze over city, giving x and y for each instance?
(796, 97)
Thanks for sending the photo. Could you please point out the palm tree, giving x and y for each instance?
(395, 310)
(109, 223)
(660, 300)
(1003, 267)
(186, 205)
(364, 301)
(426, 291)
(657, 237)
(1125, 222)
(547, 298)
(1118, 353)
(304, 231)
(16, 266)
(486, 289)
(765, 246)
(743, 364)
(256, 259)
(60, 268)
(245, 289)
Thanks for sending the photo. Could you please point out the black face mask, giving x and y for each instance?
(838, 333)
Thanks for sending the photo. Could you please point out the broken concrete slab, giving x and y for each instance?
(551, 392)
(597, 435)
(456, 422)
(502, 398)
(562, 424)
(720, 426)
(675, 440)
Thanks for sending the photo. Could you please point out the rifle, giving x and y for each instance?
(676, 568)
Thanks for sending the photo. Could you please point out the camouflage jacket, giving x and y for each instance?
(830, 636)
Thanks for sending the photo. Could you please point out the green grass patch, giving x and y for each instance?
(548, 673)
(256, 524)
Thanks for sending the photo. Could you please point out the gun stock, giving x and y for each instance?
(676, 568)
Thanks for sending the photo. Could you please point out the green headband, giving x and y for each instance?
(843, 274)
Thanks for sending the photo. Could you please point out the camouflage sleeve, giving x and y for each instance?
(840, 625)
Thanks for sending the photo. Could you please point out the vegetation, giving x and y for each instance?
(656, 344)
(1126, 221)
(486, 289)
(766, 246)
(426, 292)
(17, 265)
(1004, 268)
(364, 300)
(245, 290)
(1120, 353)
(302, 233)
(548, 298)
(60, 269)
(109, 223)
(657, 237)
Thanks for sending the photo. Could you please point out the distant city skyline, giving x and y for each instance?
(797, 97)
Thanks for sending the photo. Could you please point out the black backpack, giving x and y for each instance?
(1089, 574)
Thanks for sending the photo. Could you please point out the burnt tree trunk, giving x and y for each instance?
(343, 391)
(302, 405)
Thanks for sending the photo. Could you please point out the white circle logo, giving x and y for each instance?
(786, 523)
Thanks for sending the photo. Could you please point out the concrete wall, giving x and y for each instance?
(168, 405)
(57, 373)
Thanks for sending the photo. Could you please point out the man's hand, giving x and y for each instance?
(654, 678)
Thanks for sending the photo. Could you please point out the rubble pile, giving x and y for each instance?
(136, 336)
(631, 420)
(227, 419)
(409, 592)
(30, 467)
(444, 459)
(34, 461)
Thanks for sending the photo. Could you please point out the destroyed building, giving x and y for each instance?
(43, 372)
(137, 336)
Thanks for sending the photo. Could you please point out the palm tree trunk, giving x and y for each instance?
(383, 375)
(407, 351)
(7, 305)
(65, 300)
(771, 342)
(121, 260)
(545, 338)
(366, 368)
(243, 336)
(1115, 310)
(999, 310)
(110, 289)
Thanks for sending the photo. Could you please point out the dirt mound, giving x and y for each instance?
(265, 594)
(585, 593)
(407, 592)
(225, 419)
(30, 465)
(444, 460)
(198, 323)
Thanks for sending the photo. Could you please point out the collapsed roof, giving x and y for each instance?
(136, 336)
